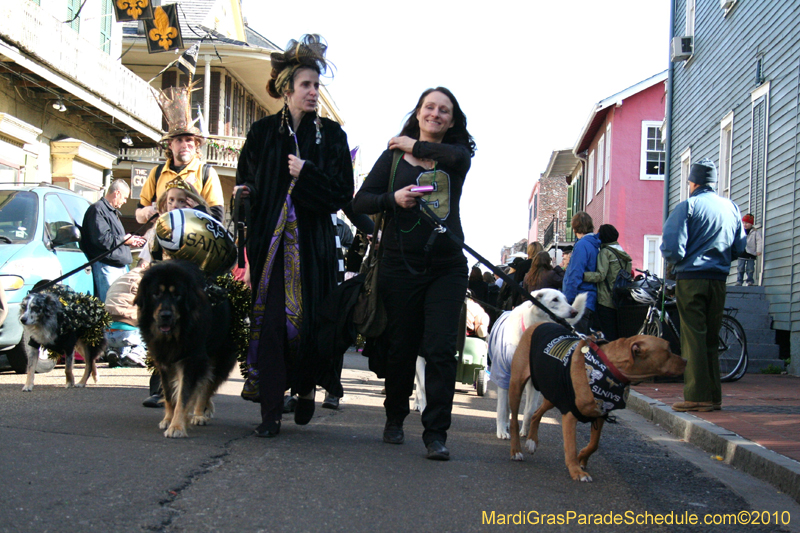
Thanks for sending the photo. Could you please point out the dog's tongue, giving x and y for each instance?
(166, 329)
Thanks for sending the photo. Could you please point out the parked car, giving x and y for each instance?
(39, 235)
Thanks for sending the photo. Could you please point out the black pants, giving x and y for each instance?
(423, 312)
(605, 320)
(272, 345)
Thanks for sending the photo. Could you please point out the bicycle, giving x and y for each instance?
(650, 289)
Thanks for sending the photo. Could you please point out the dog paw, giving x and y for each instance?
(517, 456)
(175, 433)
(199, 420)
(523, 432)
(503, 435)
(530, 445)
(582, 476)
(80, 385)
(69, 385)
(164, 424)
(27, 388)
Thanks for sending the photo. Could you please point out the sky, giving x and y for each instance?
(526, 74)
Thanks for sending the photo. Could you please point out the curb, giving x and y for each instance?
(751, 458)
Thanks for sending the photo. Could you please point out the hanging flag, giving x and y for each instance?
(187, 63)
(164, 31)
(133, 10)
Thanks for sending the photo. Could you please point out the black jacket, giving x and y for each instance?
(325, 185)
(102, 230)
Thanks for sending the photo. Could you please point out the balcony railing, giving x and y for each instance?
(557, 233)
(54, 43)
(217, 151)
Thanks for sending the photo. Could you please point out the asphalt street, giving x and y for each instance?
(94, 460)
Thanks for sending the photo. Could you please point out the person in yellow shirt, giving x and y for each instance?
(182, 150)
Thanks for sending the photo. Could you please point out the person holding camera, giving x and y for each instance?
(422, 277)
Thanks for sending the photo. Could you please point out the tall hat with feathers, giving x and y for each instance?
(308, 52)
(176, 105)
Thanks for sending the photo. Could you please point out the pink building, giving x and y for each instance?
(620, 180)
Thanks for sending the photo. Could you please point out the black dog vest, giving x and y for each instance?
(552, 347)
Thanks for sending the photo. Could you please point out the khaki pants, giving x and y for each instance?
(701, 303)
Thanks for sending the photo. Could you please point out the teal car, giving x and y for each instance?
(39, 235)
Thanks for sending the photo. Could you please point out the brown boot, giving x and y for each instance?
(693, 406)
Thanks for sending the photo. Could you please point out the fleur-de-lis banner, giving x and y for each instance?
(133, 10)
(163, 32)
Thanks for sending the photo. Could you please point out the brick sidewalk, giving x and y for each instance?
(759, 407)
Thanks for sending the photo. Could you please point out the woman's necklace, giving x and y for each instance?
(296, 144)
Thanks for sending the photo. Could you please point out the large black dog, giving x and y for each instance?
(188, 337)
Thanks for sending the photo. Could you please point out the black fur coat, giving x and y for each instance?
(325, 185)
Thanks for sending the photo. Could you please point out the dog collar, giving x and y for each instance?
(614, 371)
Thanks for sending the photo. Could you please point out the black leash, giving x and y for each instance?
(93, 261)
(241, 214)
(441, 227)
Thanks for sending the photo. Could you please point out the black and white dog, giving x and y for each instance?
(45, 323)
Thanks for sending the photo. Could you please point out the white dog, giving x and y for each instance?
(503, 341)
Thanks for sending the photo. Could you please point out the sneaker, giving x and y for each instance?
(330, 402)
(738, 283)
(289, 404)
(112, 357)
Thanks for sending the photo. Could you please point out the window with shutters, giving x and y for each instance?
(105, 25)
(73, 14)
(608, 151)
(686, 164)
(725, 155)
(590, 178)
(758, 150)
(601, 157)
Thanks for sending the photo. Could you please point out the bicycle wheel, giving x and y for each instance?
(652, 326)
(732, 350)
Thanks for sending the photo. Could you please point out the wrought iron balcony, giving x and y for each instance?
(557, 234)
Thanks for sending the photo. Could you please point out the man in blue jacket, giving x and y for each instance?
(701, 238)
(583, 259)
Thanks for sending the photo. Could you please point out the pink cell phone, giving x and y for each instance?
(427, 189)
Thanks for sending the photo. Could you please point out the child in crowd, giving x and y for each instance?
(178, 195)
(755, 246)
(125, 346)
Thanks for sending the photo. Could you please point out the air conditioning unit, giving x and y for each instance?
(681, 48)
(727, 4)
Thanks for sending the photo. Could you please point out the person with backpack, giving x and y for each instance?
(182, 145)
(613, 271)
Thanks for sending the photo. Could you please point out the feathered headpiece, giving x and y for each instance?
(176, 105)
(308, 52)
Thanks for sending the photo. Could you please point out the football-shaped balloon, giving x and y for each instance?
(197, 237)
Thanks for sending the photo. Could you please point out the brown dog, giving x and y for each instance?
(631, 359)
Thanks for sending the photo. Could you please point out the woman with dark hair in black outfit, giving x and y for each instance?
(422, 283)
